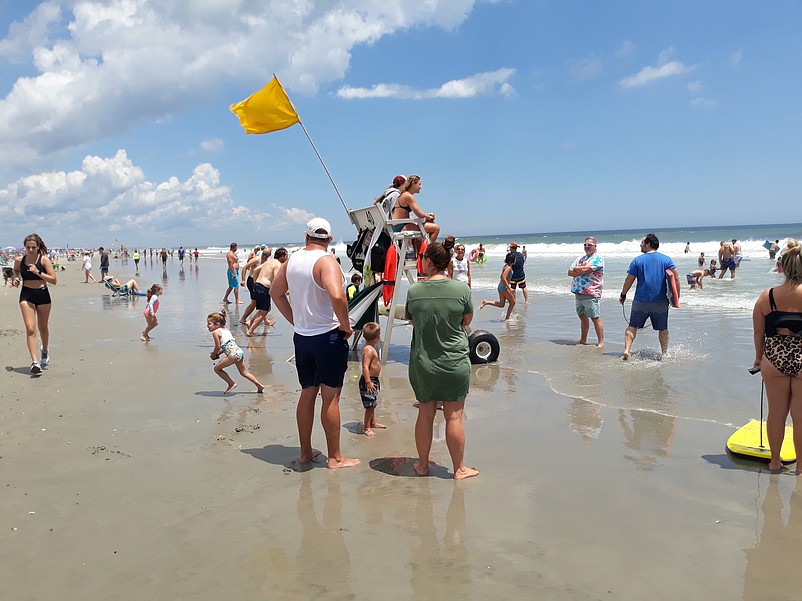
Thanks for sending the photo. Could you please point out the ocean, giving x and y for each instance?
(705, 378)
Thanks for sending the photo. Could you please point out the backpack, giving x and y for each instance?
(378, 253)
(359, 249)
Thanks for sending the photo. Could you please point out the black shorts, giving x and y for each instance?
(369, 398)
(35, 296)
(249, 284)
(321, 359)
(261, 294)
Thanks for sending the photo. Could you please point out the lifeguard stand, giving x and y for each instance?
(375, 218)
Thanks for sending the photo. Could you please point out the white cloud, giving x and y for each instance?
(735, 59)
(481, 84)
(694, 86)
(212, 145)
(703, 103)
(587, 69)
(113, 194)
(625, 49)
(104, 65)
(664, 68)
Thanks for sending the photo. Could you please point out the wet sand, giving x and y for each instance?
(126, 474)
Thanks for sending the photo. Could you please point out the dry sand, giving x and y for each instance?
(127, 475)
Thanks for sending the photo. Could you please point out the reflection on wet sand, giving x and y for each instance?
(772, 565)
(585, 419)
(439, 572)
(322, 567)
(649, 434)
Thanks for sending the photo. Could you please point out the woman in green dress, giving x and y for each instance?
(439, 366)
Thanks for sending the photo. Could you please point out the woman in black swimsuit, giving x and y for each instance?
(406, 205)
(35, 271)
(777, 322)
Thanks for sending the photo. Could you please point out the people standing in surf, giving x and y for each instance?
(737, 255)
(317, 309)
(439, 366)
(651, 294)
(460, 268)
(726, 259)
(713, 268)
(255, 258)
(518, 276)
(406, 205)
(154, 292)
(263, 278)
(224, 344)
(773, 248)
(701, 260)
(104, 263)
(777, 324)
(34, 272)
(588, 274)
(505, 293)
(181, 253)
(232, 274)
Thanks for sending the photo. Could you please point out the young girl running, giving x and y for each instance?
(154, 292)
(505, 293)
(224, 344)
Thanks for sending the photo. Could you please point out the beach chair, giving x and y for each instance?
(118, 291)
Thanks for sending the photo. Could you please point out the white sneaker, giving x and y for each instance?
(45, 358)
(36, 369)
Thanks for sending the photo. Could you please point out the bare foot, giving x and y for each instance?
(343, 462)
(465, 472)
(312, 456)
(226, 301)
(369, 432)
(625, 356)
(260, 389)
(775, 469)
(243, 322)
(419, 469)
(248, 334)
(600, 344)
(230, 388)
(144, 337)
(581, 341)
(378, 425)
(239, 302)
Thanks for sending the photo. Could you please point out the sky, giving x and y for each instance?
(520, 116)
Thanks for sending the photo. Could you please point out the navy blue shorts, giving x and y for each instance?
(657, 312)
(261, 296)
(321, 359)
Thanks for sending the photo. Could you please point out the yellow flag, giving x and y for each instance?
(267, 110)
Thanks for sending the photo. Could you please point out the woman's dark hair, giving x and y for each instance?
(440, 254)
(40, 245)
(510, 259)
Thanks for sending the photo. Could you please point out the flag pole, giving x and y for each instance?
(319, 158)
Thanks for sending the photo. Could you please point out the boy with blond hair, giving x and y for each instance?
(369, 380)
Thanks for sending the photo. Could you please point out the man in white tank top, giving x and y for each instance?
(318, 311)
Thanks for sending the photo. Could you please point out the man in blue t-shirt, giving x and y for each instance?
(651, 295)
(518, 276)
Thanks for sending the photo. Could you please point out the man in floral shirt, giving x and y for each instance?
(588, 274)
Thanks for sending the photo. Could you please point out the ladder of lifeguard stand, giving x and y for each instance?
(374, 217)
(404, 242)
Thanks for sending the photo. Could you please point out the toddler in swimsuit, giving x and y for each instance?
(224, 344)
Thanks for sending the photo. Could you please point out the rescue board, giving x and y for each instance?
(672, 289)
(746, 441)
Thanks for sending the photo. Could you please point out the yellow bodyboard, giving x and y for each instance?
(746, 441)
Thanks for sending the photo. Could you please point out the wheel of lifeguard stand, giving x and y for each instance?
(483, 347)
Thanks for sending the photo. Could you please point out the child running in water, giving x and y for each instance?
(154, 292)
(224, 344)
(369, 380)
(505, 292)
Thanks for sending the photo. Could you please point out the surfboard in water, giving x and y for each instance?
(671, 288)
(746, 441)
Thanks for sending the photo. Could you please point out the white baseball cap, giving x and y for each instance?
(314, 227)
